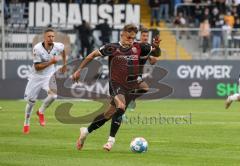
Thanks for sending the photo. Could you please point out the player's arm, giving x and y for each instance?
(152, 60)
(64, 59)
(156, 51)
(42, 65)
(39, 63)
(84, 63)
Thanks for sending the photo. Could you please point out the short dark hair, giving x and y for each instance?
(144, 30)
(130, 28)
(49, 30)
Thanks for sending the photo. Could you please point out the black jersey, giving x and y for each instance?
(125, 63)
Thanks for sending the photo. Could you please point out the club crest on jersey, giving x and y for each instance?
(134, 49)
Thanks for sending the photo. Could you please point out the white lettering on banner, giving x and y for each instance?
(59, 13)
(42, 14)
(94, 14)
(23, 71)
(133, 14)
(105, 12)
(62, 14)
(74, 15)
(206, 72)
(31, 14)
(86, 12)
(118, 14)
(80, 89)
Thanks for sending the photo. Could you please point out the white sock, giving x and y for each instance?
(111, 139)
(85, 130)
(28, 112)
(46, 103)
(234, 97)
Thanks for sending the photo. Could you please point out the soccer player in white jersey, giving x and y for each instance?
(45, 55)
(233, 97)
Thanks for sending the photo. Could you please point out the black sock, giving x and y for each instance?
(97, 122)
(116, 122)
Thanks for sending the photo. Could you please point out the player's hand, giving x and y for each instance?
(63, 68)
(152, 60)
(75, 77)
(156, 41)
(54, 60)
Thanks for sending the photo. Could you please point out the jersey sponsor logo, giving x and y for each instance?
(204, 72)
(131, 57)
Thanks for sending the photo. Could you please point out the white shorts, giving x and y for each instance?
(34, 86)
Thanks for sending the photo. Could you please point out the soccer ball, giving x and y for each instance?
(139, 145)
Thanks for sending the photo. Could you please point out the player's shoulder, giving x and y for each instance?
(37, 46)
(110, 46)
(142, 44)
(58, 44)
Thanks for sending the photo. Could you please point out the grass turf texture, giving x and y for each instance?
(212, 138)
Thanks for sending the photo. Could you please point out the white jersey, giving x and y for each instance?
(40, 54)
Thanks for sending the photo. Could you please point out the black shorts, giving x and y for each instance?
(116, 88)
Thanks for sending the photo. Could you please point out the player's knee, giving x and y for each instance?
(144, 90)
(53, 96)
(31, 102)
(122, 106)
(110, 112)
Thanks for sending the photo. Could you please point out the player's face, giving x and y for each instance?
(144, 37)
(49, 38)
(127, 38)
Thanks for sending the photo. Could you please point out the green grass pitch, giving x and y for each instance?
(211, 136)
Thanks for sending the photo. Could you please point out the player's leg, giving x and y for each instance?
(117, 117)
(51, 97)
(96, 123)
(28, 111)
(231, 98)
(141, 89)
(116, 120)
(46, 103)
(31, 92)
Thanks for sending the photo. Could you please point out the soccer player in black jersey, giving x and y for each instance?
(125, 59)
(144, 37)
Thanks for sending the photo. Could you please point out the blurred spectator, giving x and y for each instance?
(181, 22)
(86, 38)
(105, 32)
(204, 33)
(236, 34)
(217, 33)
(6, 10)
(205, 15)
(227, 35)
(164, 9)
(154, 5)
(214, 17)
(229, 19)
(235, 13)
(187, 10)
(197, 15)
